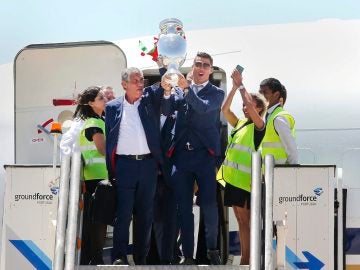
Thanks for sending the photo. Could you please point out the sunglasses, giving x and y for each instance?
(202, 65)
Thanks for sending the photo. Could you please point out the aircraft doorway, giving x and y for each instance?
(218, 78)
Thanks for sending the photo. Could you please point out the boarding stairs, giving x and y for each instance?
(262, 254)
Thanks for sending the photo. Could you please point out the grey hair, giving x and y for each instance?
(126, 73)
(103, 88)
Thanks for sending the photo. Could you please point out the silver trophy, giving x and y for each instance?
(172, 48)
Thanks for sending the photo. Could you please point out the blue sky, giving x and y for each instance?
(42, 21)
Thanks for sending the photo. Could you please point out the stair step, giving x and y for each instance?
(163, 267)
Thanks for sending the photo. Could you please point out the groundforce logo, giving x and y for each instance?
(299, 198)
(36, 196)
(303, 199)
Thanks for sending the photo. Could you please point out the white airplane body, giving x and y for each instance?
(318, 62)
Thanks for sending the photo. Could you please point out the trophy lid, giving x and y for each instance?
(164, 23)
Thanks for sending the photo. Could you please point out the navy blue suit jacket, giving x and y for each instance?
(198, 118)
(149, 111)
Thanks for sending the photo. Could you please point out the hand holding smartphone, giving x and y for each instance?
(240, 68)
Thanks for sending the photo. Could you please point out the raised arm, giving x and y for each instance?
(228, 113)
(169, 103)
(247, 100)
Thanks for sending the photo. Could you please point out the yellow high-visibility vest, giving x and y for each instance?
(236, 168)
(95, 163)
(271, 143)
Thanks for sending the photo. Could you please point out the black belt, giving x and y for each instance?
(137, 157)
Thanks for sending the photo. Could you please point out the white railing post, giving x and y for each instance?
(255, 212)
(62, 213)
(269, 181)
(74, 195)
(340, 247)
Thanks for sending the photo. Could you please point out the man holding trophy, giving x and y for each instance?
(196, 144)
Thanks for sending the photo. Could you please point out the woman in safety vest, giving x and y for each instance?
(91, 105)
(235, 172)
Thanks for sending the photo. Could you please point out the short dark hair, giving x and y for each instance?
(205, 55)
(275, 86)
(283, 94)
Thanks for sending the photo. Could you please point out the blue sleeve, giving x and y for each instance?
(162, 71)
(156, 93)
(107, 112)
(168, 105)
(107, 144)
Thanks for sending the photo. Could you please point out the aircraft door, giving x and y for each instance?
(48, 78)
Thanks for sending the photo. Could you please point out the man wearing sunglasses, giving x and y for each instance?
(195, 146)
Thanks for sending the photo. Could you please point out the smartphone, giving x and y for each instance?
(239, 68)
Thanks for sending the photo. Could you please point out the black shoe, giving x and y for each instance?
(188, 261)
(140, 261)
(213, 256)
(121, 261)
(97, 262)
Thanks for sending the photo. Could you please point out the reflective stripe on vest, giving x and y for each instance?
(95, 163)
(88, 147)
(239, 147)
(94, 160)
(236, 168)
(271, 143)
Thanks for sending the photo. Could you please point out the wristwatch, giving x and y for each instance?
(241, 87)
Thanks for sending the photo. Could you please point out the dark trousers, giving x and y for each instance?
(165, 223)
(93, 233)
(189, 166)
(201, 252)
(136, 184)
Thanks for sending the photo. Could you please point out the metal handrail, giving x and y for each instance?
(255, 212)
(62, 213)
(340, 247)
(269, 181)
(74, 195)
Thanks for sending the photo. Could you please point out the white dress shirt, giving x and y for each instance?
(282, 127)
(198, 87)
(132, 139)
(162, 121)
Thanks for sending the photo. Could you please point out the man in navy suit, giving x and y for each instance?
(132, 155)
(165, 222)
(195, 146)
